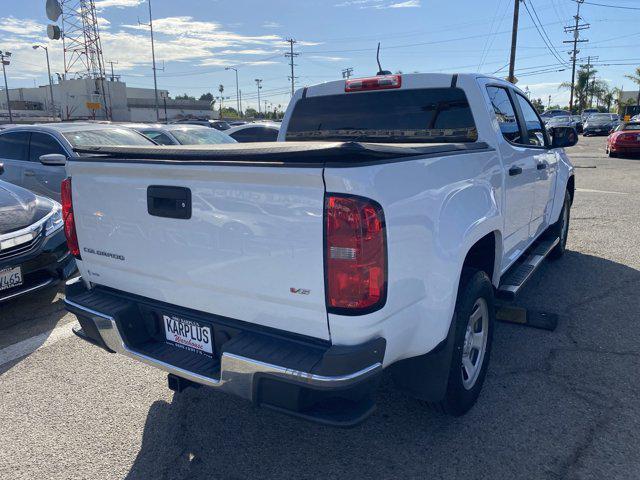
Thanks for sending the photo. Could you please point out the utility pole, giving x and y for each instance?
(259, 84)
(291, 54)
(514, 41)
(46, 51)
(111, 62)
(237, 90)
(347, 72)
(575, 29)
(240, 97)
(4, 58)
(153, 59)
(593, 82)
(549, 103)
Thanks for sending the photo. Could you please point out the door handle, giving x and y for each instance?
(513, 171)
(541, 166)
(29, 173)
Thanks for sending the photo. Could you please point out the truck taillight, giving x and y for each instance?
(69, 220)
(355, 254)
(381, 82)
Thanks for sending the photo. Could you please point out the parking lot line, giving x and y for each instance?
(589, 190)
(30, 345)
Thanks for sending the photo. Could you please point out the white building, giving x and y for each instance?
(84, 99)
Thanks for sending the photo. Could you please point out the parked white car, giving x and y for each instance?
(375, 235)
(34, 155)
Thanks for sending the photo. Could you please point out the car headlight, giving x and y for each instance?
(54, 222)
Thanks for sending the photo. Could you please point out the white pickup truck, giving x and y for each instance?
(374, 234)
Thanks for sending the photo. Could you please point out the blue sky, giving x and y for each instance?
(196, 39)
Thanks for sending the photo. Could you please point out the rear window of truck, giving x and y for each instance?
(432, 115)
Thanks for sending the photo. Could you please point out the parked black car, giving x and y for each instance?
(600, 124)
(33, 247)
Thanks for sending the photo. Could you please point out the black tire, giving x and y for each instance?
(560, 229)
(611, 154)
(458, 399)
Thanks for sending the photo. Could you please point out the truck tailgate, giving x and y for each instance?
(252, 249)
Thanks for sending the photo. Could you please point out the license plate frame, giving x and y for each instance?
(11, 277)
(187, 334)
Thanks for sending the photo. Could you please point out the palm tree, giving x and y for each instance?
(635, 78)
(221, 89)
(581, 88)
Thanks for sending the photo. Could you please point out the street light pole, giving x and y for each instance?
(46, 51)
(153, 58)
(3, 57)
(237, 90)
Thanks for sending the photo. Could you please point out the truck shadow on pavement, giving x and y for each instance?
(30, 316)
(555, 405)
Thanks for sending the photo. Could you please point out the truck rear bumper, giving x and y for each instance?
(306, 378)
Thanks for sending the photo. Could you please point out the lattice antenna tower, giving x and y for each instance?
(81, 40)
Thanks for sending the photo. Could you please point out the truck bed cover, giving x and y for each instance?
(301, 154)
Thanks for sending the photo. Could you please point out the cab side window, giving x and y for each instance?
(535, 129)
(14, 146)
(505, 113)
(43, 144)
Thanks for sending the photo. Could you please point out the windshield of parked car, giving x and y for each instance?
(391, 116)
(599, 118)
(200, 136)
(630, 126)
(106, 136)
(560, 120)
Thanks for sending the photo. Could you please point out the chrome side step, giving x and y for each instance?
(516, 277)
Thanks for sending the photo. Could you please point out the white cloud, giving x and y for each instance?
(22, 27)
(407, 4)
(102, 4)
(380, 4)
(327, 58)
(271, 25)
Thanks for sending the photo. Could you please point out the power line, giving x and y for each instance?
(544, 33)
(612, 6)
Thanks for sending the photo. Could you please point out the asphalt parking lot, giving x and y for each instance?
(557, 405)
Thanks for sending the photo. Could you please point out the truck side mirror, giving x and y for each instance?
(53, 159)
(562, 137)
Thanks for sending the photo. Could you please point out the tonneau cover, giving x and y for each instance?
(275, 153)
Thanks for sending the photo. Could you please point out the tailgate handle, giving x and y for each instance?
(169, 202)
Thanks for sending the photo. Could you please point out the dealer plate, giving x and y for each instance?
(10, 278)
(188, 335)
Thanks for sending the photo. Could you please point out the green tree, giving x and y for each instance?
(581, 87)
(229, 112)
(251, 113)
(635, 78)
(184, 96)
(537, 103)
(207, 96)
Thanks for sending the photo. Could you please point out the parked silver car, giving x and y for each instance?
(181, 134)
(34, 155)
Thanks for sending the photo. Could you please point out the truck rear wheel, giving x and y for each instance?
(474, 319)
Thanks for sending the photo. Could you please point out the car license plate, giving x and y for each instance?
(598, 130)
(188, 335)
(10, 278)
